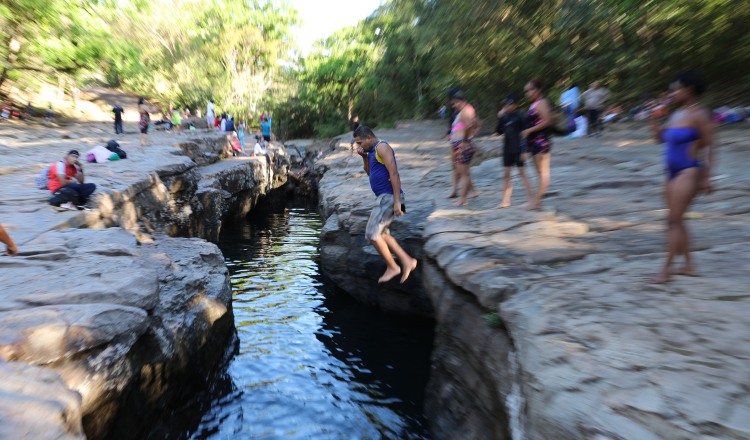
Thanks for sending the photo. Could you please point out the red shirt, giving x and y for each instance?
(60, 167)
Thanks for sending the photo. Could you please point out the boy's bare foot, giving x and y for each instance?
(474, 196)
(409, 266)
(452, 195)
(660, 278)
(530, 206)
(460, 203)
(389, 274)
(504, 205)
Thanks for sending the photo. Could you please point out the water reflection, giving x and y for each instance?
(312, 363)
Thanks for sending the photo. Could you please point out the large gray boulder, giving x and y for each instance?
(110, 317)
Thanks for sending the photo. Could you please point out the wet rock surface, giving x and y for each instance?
(104, 316)
(594, 351)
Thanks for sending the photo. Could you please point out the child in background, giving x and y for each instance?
(259, 149)
(176, 119)
(511, 124)
(241, 134)
(236, 146)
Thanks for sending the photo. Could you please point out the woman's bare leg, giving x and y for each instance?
(680, 192)
(526, 184)
(541, 161)
(465, 179)
(454, 175)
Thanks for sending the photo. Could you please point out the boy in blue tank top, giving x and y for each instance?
(380, 164)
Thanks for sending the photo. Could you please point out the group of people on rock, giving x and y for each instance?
(525, 135)
(687, 130)
(225, 123)
(171, 120)
(222, 123)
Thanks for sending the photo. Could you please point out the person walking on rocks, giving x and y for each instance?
(379, 162)
(144, 112)
(210, 113)
(570, 100)
(537, 138)
(118, 111)
(463, 130)
(594, 100)
(10, 247)
(241, 134)
(690, 157)
(265, 128)
(511, 124)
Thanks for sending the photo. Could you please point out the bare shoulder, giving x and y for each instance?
(383, 148)
(702, 114)
(544, 104)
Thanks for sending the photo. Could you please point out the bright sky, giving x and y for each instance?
(321, 18)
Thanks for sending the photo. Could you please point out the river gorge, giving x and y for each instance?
(514, 325)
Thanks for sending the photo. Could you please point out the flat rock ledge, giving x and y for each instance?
(105, 319)
(545, 326)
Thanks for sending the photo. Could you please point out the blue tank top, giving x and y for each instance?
(380, 179)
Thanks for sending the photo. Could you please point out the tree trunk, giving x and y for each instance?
(60, 88)
(3, 76)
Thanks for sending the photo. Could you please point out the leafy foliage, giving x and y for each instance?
(398, 63)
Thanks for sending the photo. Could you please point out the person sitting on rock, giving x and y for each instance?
(11, 248)
(236, 145)
(380, 164)
(68, 174)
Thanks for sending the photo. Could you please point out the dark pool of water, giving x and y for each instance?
(312, 363)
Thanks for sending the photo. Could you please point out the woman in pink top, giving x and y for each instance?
(537, 138)
(463, 130)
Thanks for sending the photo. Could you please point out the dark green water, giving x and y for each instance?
(312, 363)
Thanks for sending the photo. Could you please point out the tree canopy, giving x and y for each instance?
(397, 63)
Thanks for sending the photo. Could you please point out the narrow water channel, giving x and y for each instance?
(312, 363)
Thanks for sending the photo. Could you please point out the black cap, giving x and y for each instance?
(74, 152)
(510, 99)
(456, 93)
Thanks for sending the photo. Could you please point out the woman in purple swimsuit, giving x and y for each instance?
(687, 133)
(537, 138)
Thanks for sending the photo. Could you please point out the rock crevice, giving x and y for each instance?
(107, 327)
(544, 326)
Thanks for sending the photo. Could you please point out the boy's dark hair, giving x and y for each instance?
(511, 99)
(456, 93)
(694, 80)
(537, 83)
(363, 131)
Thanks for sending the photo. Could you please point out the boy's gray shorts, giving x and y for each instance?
(380, 217)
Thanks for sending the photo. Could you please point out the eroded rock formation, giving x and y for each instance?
(109, 322)
(545, 328)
